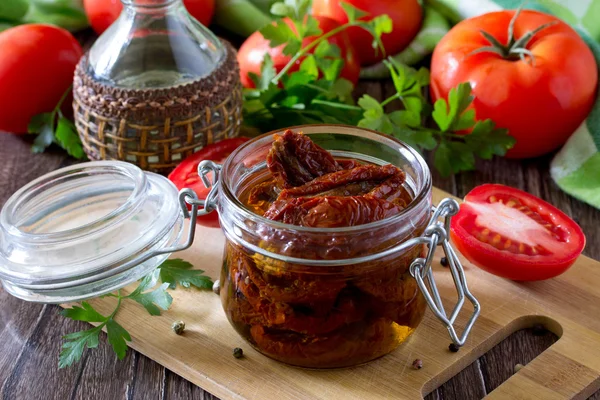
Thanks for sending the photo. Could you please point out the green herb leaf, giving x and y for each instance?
(177, 271)
(44, 139)
(326, 49)
(75, 343)
(267, 73)
(38, 121)
(331, 68)
(67, 137)
(154, 300)
(442, 159)
(309, 27)
(282, 10)
(117, 337)
(352, 12)
(84, 313)
(486, 140)
(309, 66)
(449, 113)
(280, 33)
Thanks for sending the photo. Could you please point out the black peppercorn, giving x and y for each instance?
(444, 262)
(238, 353)
(453, 347)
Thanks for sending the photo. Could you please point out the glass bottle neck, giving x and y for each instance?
(149, 4)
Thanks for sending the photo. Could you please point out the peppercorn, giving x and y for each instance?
(539, 330)
(453, 347)
(178, 327)
(238, 353)
(217, 287)
(417, 364)
(518, 367)
(444, 262)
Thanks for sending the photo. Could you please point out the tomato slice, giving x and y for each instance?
(515, 235)
(185, 175)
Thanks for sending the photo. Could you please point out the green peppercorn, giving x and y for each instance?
(238, 353)
(178, 327)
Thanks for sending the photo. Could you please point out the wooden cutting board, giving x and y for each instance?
(568, 305)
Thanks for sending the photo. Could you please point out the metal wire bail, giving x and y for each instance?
(436, 234)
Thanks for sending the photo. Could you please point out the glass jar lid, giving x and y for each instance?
(86, 230)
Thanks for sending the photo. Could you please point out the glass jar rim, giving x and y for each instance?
(22, 196)
(421, 196)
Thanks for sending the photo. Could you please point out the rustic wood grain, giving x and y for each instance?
(30, 333)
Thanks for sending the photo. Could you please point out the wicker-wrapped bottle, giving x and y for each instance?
(155, 87)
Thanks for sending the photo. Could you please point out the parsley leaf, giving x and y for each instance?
(75, 344)
(177, 271)
(54, 127)
(316, 94)
(117, 337)
(85, 313)
(153, 300)
(352, 12)
(67, 137)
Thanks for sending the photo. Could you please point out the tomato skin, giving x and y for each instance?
(406, 17)
(185, 175)
(102, 13)
(541, 105)
(26, 89)
(520, 267)
(253, 50)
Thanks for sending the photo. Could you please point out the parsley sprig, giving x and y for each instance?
(54, 127)
(152, 297)
(316, 94)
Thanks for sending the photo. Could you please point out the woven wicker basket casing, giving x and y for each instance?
(157, 128)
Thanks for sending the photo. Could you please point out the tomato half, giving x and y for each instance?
(513, 234)
(540, 102)
(185, 175)
(252, 52)
(406, 18)
(102, 13)
(27, 89)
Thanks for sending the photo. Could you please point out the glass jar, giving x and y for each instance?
(86, 230)
(310, 297)
(323, 297)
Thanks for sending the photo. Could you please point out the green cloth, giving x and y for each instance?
(576, 167)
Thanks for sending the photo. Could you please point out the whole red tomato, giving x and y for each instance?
(102, 13)
(253, 50)
(540, 101)
(36, 68)
(406, 17)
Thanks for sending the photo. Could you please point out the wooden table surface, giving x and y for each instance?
(30, 334)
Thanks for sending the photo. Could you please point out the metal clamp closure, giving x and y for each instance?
(187, 197)
(436, 234)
